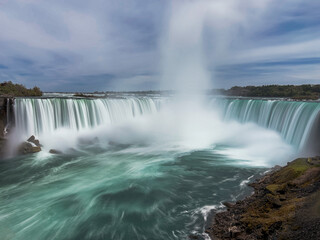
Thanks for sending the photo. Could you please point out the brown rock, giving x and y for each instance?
(35, 141)
(234, 232)
(308, 176)
(31, 139)
(54, 151)
(32, 145)
(228, 204)
(273, 200)
(27, 147)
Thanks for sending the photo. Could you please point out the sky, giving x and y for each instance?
(101, 45)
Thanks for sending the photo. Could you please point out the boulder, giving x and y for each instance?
(27, 147)
(35, 141)
(228, 204)
(32, 145)
(54, 151)
(31, 139)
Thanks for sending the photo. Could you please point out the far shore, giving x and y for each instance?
(310, 92)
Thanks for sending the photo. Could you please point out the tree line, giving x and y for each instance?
(9, 89)
(307, 91)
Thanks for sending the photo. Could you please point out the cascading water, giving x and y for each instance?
(293, 120)
(43, 116)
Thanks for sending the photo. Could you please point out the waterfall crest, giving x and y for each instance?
(38, 116)
(293, 120)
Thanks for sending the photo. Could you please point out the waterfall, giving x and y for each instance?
(37, 116)
(296, 122)
(293, 120)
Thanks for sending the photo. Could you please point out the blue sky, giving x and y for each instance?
(81, 45)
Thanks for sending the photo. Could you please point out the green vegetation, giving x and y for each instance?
(9, 89)
(84, 95)
(285, 205)
(311, 92)
(285, 196)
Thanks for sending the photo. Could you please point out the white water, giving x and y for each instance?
(293, 120)
(148, 124)
(43, 116)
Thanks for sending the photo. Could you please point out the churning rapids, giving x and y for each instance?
(142, 167)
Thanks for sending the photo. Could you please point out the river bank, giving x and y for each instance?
(285, 205)
(6, 117)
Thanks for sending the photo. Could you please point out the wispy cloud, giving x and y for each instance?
(106, 45)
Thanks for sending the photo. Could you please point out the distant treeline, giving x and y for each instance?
(9, 89)
(311, 92)
(299, 92)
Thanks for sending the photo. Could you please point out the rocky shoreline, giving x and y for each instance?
(285, 205)
(6, 118)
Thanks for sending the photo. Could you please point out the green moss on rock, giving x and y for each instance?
(285, 203)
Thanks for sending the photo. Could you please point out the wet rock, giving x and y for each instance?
(228, 204)
(35, 141)
(54, 151)
(31, 139)
(193, 237)
(27, 147)
(32, 145)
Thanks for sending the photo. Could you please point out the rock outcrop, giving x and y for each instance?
(55, 151)
(3, 143)
(6, 120)
(32, 145)
(285, 205)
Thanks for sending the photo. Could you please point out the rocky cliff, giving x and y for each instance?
(285, 205)
(6, 119)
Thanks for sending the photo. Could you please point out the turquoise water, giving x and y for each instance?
(116, 194)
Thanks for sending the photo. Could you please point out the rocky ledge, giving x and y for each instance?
(285, 205)
(32, 145)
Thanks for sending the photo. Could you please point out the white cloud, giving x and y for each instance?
(307, 49)
(66, 39)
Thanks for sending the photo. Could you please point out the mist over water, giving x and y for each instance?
(184, 66)
(185, 71)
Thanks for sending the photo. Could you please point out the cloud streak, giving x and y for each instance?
(109, 45)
